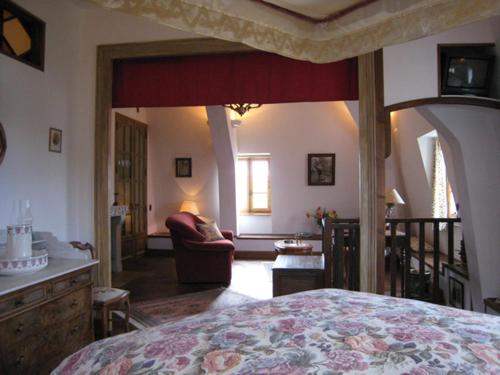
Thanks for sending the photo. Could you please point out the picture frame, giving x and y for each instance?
(183, 167)
(456, 293)
(55, 140)
(321, 169)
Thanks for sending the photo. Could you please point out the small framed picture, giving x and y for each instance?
(183, 167)
(55, 140)
(320, 169)
(456, 295)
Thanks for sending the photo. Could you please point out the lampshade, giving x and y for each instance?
(190, 206)
(392, 197)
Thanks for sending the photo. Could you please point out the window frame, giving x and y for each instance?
(250, 210)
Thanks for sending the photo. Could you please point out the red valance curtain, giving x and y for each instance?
(255, 77)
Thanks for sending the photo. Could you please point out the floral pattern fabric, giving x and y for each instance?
(325, 331)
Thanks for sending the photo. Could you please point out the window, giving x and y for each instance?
(22, 35)
(254, 184)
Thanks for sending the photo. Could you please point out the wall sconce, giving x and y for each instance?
(241, 109)
(238, 110)
(392, 198)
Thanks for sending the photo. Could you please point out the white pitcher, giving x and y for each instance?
(19, 241)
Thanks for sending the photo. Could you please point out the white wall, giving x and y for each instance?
(63, 96)
(32, 101)
(471, 133)
(289, 132)
(410, 69)
(174, 133)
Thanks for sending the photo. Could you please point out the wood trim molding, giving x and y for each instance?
(106, 54)
(447, 100)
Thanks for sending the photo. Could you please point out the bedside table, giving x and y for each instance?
(297, 273)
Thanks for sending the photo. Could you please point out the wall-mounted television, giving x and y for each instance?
(466, 71)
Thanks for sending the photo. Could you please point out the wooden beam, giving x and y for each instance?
(372, 126)
(104, 172)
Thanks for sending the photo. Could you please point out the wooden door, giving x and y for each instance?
(131, 182)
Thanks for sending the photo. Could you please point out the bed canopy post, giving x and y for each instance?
(372, 120)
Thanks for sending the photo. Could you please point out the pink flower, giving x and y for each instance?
(446, 347)
(367, 344)
(118, 367)
(220, 361)
(179, 363)
(265, 310)
(170, 346)
(401, 334)
(293, 326)
(73, 362)
(487, 353)
(345, 360)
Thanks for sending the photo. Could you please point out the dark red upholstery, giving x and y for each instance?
(198, 260)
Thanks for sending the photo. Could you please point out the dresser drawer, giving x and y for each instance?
(70, 282)
(59, 310)
(20, 300)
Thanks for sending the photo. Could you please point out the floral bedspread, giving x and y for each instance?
(325, 331)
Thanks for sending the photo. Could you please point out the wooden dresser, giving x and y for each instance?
(45, 316)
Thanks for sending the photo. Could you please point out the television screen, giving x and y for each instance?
(468, 73)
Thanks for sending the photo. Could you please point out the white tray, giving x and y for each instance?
(38, 261)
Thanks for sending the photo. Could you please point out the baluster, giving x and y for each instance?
(350, 260)
(356, 258)
(451, 240)
(338, 259)
(407, 258)
(421, 259)
(435, 281)
(393, 259)
(327, 252)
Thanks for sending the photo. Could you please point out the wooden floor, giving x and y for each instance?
(151, 277)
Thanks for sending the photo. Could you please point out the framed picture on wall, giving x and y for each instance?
(55, 140)
(183, 167)
(456, 296)
(320, 169)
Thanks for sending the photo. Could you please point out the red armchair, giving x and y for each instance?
(198, 260)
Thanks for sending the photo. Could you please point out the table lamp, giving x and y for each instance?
(189, 206)
(392, 198)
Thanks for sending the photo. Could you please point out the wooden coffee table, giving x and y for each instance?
(297, 273)
(291, 247)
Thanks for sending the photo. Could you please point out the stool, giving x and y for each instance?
(109, 299)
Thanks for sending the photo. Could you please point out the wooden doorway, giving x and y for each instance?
(131, 182)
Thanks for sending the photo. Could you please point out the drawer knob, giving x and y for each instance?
(18, 303)
(20, 328)
(73, 282)
(74, 303)
(74, 329)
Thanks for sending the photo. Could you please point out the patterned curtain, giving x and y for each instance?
(439, 191)
(443, 201)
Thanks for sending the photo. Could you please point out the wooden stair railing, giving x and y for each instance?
(341, 251)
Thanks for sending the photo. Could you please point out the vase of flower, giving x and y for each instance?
(318, 215)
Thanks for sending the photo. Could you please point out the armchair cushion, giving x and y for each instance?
(184, 223)
(210, 231)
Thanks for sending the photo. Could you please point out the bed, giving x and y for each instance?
(326, 331)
